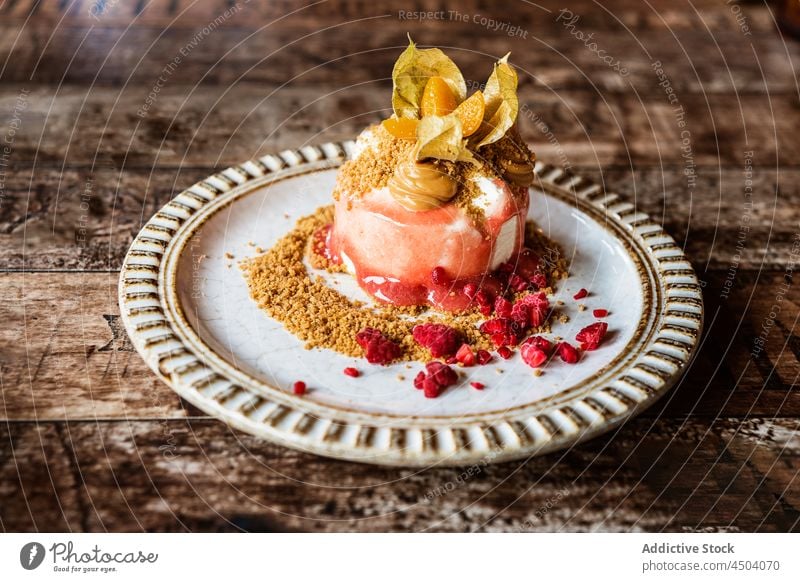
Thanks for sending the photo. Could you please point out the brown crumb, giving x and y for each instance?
(537, 372)
(401, 377)
(229, 256)
(581, 307)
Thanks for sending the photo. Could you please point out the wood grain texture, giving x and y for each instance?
(720, 475)
(91, 440)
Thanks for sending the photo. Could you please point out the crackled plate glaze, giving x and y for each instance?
(186, 307)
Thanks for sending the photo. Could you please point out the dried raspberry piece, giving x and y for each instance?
(539, 280)
(502, 307)
(352, 372)
(504, 352)
(436, 377)
(600, 312)
(470, 289)
(440, 339)
(502, 331)
(299, 388)
(484, 357)
(439, 276)
(378, 349)
(580, 294)
(567, 353)
(538, 341)
(532, 355)
(477, 385)
(484, 302)
(591, 335)
(531, 310)
(465, 356)
(517, 283)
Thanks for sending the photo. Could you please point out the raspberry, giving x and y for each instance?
(591, 335)
(504, 352)
(477, 385)
(532, 355)
(531, 310)
(502, 331)
(440, 339)
(470, 289)
(484, 357)
(436, 377)
(465, 356)
(352, 372)
(517, 283)
(502, 307)
(439, 277)
(567, 353)
(539, 280)
(539, 342)
(580, 294)
(484, 302)
(600, 312)
(378, 349)
(299, 388)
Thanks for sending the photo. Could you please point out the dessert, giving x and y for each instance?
(434, 199)
(429, 216)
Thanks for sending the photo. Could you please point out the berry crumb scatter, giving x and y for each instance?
(504, 352)
(352, 372)
(435, 378)
(580, 294)
(568, 353)
(600, 312)
(299, 388)
(477, 385)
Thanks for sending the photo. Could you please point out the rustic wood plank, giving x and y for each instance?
(332, 35)
(720, 475)
(68, 358)
(206, 125)
(80, 219)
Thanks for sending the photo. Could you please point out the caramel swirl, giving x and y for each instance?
(519, 171)
(421, 186)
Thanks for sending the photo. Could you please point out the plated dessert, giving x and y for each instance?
(429, 216)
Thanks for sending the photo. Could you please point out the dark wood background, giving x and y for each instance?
(92, 441)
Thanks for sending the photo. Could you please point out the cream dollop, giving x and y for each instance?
(421, 186)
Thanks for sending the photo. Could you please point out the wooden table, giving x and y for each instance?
(93, 441)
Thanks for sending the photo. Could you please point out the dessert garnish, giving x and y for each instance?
(430, 218)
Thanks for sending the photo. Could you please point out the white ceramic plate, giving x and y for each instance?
(186, 307)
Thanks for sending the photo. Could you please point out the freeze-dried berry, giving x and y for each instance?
(591, 335)
(504, 352)
(532, 355)
(465, 356)
(440, 339)
(580, 294)
(440, 277)
(378, 349)
(542, 343)
(600, 312)
(531, 310)
(502, 307)
(477, 385)
(352, 372)
(470, 290)
(436, 377)
(539, 280)
(484, 357)
(299, 388)
(503, 331)
(484, 300)
(567, 353)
